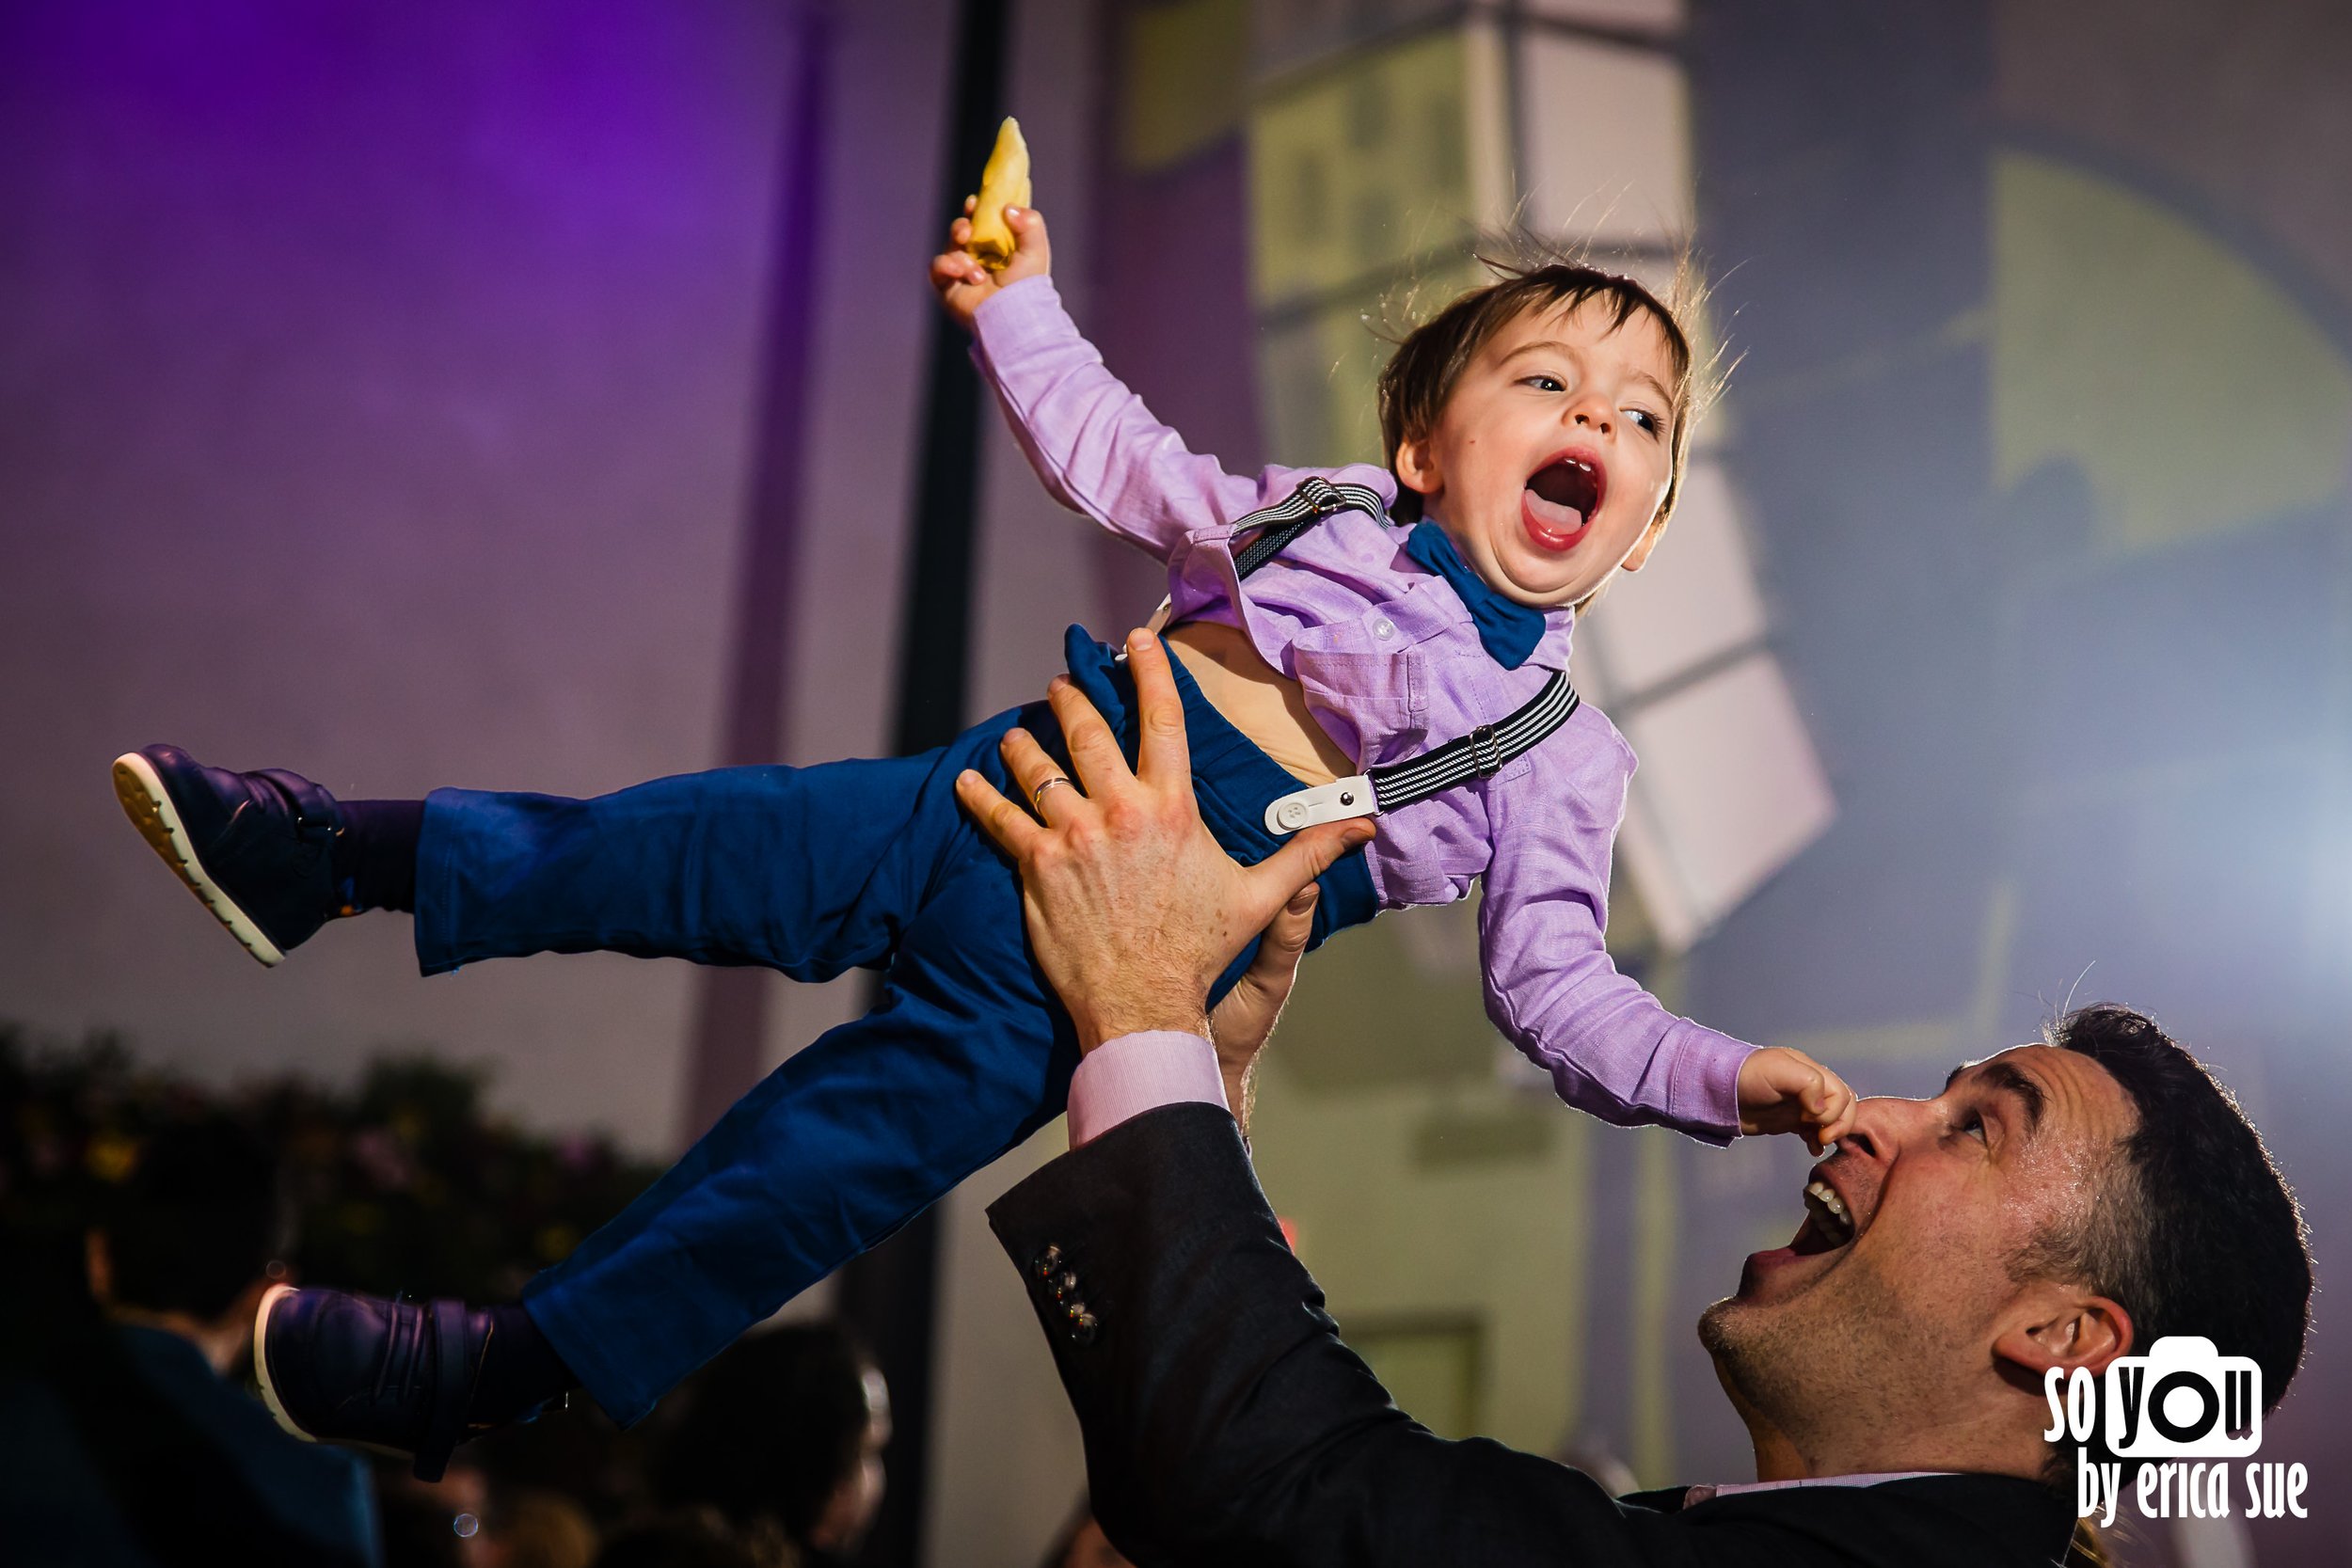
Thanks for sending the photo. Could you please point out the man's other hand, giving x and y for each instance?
(1240, 1025)
(1133, 908)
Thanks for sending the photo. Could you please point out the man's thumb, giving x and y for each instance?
(1289, 870)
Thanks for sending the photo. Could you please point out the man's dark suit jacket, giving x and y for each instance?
(1226, 1423)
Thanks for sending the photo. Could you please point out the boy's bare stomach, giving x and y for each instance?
(1258, 700)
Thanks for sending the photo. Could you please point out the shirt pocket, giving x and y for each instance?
(1382, 689)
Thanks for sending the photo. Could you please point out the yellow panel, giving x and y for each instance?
(1431, 1370)
(1504, 1244)
(1364, 167)
(1319, 373)
(2194, 394)
(1187, 71)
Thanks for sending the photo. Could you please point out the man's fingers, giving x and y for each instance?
(1094, 752)
(1286, 935)
(1014, 829)
(1307, 855)
(1161, 755)
(1033, 769)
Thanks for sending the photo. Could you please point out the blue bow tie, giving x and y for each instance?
(1509, 630)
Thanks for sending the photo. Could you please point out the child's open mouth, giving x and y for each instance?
(1562, 499)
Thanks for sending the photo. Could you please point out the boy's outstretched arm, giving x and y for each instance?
(1610, 1047)
(1092, 441)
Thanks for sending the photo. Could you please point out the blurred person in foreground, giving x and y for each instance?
(124, 1439)
(782, 1437)
(1083, 1545)
(2058, 1205)
(691, 1538)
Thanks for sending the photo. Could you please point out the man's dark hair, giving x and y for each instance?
(2199, 1233)
(770, 1428)
(198, 1219)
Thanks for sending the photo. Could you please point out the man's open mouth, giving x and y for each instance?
(1828, 1223)
(1562, 498)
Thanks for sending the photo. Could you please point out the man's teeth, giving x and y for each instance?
(1828, 1210)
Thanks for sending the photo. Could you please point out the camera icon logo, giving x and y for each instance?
(2183, 1399)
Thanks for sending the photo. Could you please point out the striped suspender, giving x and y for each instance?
(1314, 500)
(1480, 755)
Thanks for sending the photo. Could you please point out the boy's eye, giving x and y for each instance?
(1544, 383)
(1646, 419)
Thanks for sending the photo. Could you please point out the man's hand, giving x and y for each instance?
(1240, 1025)
(1133, 908)
(964, 285)
(1784, 1090)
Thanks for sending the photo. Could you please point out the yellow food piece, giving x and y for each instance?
(1005, 183)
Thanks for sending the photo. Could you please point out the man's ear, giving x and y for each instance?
(1416, 467)
(1637, 556)
(2051, 1325)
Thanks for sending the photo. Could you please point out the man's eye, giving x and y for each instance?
(1973, 1125)
(1544, 383)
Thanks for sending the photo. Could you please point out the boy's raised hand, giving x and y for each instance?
(964, 285)
(1783, 1090)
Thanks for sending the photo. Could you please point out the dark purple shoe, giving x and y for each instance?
(395, 1376)
(258, 848)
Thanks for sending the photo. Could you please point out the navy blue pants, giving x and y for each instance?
(812, 871)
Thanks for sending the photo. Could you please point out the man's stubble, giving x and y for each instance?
(1846, 1359)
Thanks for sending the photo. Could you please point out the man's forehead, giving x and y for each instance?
(2066, 1092)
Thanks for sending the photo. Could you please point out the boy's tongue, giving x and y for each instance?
(1559, 498)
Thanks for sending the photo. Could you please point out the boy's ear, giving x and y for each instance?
(1416, 467)
(1637, 556)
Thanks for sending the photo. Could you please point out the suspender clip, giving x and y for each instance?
(1485, 752)
(1331, 802)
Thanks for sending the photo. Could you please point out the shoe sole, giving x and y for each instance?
(148, 804)
(261, 1358)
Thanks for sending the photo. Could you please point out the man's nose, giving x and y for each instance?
(1882, 1126)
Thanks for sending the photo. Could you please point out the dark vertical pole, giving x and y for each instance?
(731, 1004)
(890, 1295)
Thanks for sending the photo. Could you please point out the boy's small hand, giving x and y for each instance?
(1783, 1090)
(964, 285)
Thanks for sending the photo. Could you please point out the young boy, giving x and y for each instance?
(1535, 432)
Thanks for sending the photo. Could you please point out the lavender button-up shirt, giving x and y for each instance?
(1392, 665)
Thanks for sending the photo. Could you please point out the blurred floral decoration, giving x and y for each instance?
(403, 1183)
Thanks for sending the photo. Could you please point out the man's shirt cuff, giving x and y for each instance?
(1134, 1073)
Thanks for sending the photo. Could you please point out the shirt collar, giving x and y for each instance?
(1696, 1495)
(1435, 604)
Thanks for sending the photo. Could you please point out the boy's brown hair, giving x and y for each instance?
(1429, 361)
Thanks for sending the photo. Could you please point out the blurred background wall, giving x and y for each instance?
(380, 392)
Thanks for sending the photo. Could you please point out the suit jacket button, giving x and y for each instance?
(1067, 1283)
(1047, 1261)
(1081, 1328)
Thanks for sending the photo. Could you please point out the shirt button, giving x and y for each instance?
(1384, 629)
